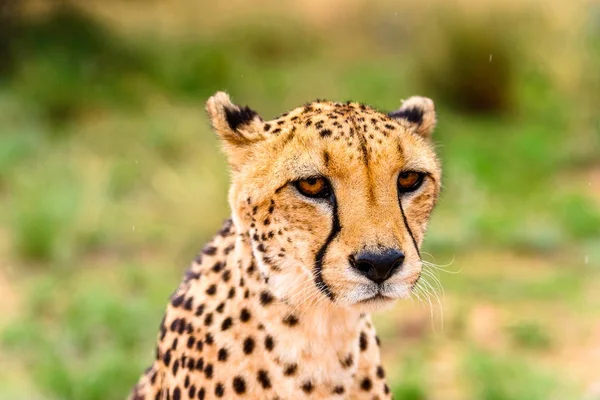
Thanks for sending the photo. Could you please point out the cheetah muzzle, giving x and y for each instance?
(330, 203)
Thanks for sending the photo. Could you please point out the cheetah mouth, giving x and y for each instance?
(376, 299)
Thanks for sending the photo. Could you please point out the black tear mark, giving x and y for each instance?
(407, 226)
(413, 114)
(335, 229)
(239, 116)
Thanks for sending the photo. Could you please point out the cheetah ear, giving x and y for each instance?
(418, 114)
(238, 127)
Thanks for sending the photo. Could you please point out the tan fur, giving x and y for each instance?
(256, 282)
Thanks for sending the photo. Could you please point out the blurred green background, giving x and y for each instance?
(111, 180)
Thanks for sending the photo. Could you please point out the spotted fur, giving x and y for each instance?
(272, 308)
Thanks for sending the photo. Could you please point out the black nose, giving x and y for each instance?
(378, 266)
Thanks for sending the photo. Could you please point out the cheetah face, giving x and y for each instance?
(335, 198)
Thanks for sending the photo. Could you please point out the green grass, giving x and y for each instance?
(110, 180)
(530, 335)
(412, 384)
(499, 378)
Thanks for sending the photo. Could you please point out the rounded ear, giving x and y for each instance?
(237, 126)
(418, 114)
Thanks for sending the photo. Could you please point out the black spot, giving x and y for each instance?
(414, 115)
(226, 324)
(200, 364)
(291, 320)
(208, 339)
(177, 325)
(167, 358)
(176, 393)
(220, 308)
(176, 302)
(228, 249)
(267, 127)
(188, 304)
(348, 361)
(389, 126)
(263, 379)
(218, 266)
(325, 132)
(239, 116)
(266, 298)
(222, 355)
(251, 268)
(209, 250)
(163, 329)
(191, 342)
(366, 384)
(227, 275)
(307, 387)
(201, 394)
(192, 391)
(208, 319)
(269, 342)
(231, 293)
(175, 367)
(245, 315)
(380, 372)
(212, 289)
(377, 340)
(208, 371)
(248, 345)
(219, 390)
(290, 369)
(338, 390)
(363, 341)
(199, 310)
(239, 385)
(199, 345)
(386, 388)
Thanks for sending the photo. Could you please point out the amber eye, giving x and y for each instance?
(316, 187)
(409, 181)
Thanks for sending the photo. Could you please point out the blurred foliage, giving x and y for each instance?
(474, 66)
(110, 180)
(530, 335)
(497, 378)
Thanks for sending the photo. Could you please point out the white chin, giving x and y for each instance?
(373, 297)
(376, 303)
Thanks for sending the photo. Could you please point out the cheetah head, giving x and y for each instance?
(334, 198)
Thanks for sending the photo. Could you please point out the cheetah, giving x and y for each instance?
(330, 203)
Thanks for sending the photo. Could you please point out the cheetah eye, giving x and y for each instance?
(314, 187)
(409, 181)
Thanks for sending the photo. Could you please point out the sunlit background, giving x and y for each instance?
(111, 180)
